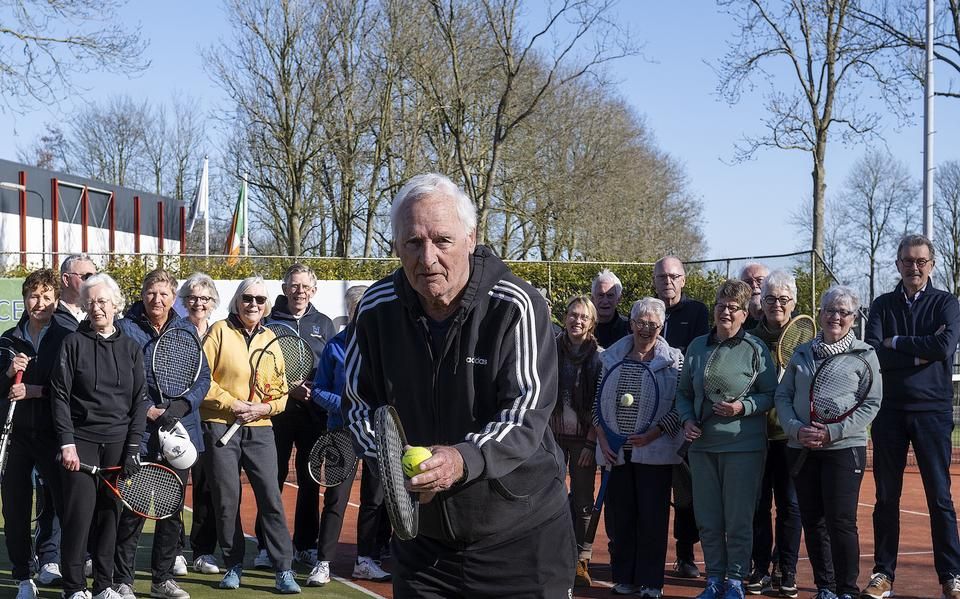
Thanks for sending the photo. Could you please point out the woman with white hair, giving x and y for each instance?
(232, 347)
(828, 484)
(99, 417)
(638, 491)
(199, 296)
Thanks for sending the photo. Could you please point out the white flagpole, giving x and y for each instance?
(206, 212)
(246, 220)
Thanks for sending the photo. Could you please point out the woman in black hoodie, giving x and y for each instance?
(99, 415)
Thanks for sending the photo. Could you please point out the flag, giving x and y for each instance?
(201, 203)
(237, 227)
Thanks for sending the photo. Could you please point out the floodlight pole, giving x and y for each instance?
(43, 216)
(928, 129)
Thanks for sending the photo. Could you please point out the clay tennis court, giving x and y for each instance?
(916, 577)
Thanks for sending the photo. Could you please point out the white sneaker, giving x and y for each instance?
(125, 591)
(168, 589)
(88, 568)
(206, 564)
(307, 557)
(320, 575)
(180, 566)
(49, 574)
(263, 561)
(79, 595)
(367, 569)
(27, 590)
(107, 593)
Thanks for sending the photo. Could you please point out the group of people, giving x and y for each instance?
(88, 396)
(467, 354)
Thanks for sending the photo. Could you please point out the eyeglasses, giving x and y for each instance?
(83, 276)
(838, 312)
(299, 287)
(198, 299)
(755, 281)
(783, 300)
(575, 317)
(98, 303)
(645, 325)
(919, 262)
(249, 299)
(671, 276)
(733, 308)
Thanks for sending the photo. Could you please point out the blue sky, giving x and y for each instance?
(670, 85)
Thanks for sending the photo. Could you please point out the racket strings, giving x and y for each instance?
(332, 459)
(297, 357)
(153, 491)
(403, 510)
(839, 385)
(730, 371)
(797, 332)
(176, 360)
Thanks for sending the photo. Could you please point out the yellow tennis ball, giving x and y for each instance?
(412, 458)
(626, 400)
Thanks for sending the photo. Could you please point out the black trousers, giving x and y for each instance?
(203, 531)
(638, 497)
(777, 486)
(369, 519)
(685, 530)
(90, 513)
(535, 564)
(828, 489)
(298, 429)
(27, 451)
(166, 543)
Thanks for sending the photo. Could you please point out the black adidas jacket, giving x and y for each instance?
(490, 394)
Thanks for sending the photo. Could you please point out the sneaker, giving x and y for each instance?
(951, 587)
(26, 589)
(307, 557)
(263, 561)
(206, 564)
(788, 585)
(287, 583)
(758, 582)
(825, 594)
(168, 589)
(683, 568)
(107, 593)
(582, 578)
(125, 591)
(653, 593)
(846, 596)
(713, 590)
(734, 590)
(88, 568)
(231, 580)
(49, 574)
(880, 587)
(775, 578)
(180, 566)
(320, 575)
(78, 595)
(622, 588)
(367, 569)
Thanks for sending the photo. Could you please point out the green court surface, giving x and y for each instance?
(256, 583)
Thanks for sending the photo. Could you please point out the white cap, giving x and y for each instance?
(176, 447)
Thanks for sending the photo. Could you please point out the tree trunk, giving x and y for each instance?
(819, 192)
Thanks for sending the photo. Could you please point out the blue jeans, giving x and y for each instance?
(929, 432)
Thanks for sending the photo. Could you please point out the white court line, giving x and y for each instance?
(296, 486)
(911, 512)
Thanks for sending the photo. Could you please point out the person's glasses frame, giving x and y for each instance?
(783, 300)
(198, 299)
(644, 325)
(919, 262)
(248, 298)
(732, 308)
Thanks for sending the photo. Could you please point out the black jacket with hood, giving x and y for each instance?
(98, 388)
(489, 394)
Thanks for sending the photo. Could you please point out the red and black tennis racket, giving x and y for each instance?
(728, 376)
(332, 458)
(840, 385)
(155, 492)
(628, 399)
(6, 346)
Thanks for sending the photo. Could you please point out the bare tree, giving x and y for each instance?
(49, 151)
(830, 58)
(832, 235)
(46, 44)
(947, 223)
(106, 141)
(188, 142)
(877, 199)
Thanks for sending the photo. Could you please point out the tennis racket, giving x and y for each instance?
(268, 368)
(798, 331)
(332, 458)
(402, 505)
(7, 347)
(730, 372)
(840, 385)
(279, 329)
(176, 364)
(628, 398)
(155, 492)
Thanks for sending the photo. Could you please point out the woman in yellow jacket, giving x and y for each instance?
(232, 347)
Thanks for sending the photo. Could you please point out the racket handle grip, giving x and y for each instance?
(683, 449)
(18, 378)
(88, 468)
(229, 434)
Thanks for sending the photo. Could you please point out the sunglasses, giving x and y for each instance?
(83, 277)
(249, 299)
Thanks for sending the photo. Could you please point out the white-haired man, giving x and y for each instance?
(606, 292)
(464, 350)
(753, 274)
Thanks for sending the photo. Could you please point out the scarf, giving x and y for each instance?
(821, 349)
(585, 381)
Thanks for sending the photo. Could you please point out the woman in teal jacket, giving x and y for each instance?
(727, 455)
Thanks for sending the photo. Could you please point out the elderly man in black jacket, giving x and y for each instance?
(464, 351)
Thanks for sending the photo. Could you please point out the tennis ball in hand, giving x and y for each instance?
(412, 458)
(626, 400)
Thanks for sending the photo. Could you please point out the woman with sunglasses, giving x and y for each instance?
(232, 347)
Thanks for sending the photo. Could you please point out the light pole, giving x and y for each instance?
(43, 216)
